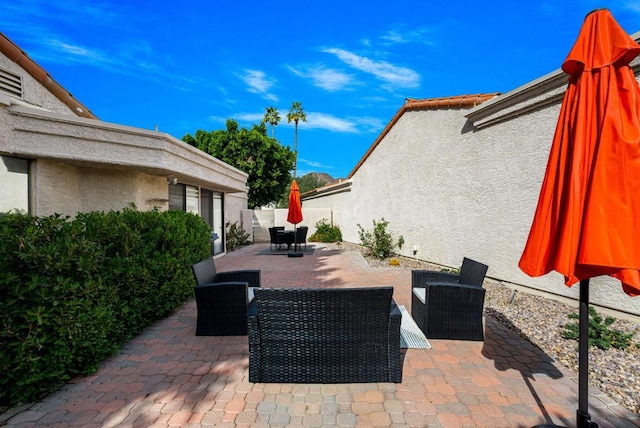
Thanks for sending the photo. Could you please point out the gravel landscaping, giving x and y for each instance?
(541, 321)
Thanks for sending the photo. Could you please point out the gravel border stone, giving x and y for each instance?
(541, 321)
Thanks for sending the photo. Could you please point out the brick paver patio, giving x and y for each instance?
(169, 377)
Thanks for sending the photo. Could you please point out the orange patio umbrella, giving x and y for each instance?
(295, 208)
(586, 223)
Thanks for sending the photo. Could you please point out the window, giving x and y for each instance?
(14, 191)
(184, 198)
(206, 203)
(192, 204)
(176, 197)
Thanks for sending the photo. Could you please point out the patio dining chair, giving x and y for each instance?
(222, 299)
(301, 236)
(447, 305)
(277, 239)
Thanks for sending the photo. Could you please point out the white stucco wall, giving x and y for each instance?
(266, 218)
(32, 91)
(452, 190)
(85, 164)
(234, 204)
(81, 164)
(68, 189)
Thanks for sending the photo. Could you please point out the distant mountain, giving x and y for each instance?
(323, 176)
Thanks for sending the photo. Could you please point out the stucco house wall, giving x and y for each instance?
(79, 163)
(458, 182)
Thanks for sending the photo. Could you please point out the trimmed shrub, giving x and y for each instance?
(326, 232)
(379, 243)
(73, 291)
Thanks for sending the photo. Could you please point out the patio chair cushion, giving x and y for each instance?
(420, 293)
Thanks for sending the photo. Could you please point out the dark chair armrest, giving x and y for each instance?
(228, 288)
(251, 277)
(419, 278)
(454, 284)
(394, 360)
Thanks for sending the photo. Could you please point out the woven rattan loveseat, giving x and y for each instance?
(447, 305)
(324, 335)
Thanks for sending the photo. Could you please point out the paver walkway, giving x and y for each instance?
(169, 377)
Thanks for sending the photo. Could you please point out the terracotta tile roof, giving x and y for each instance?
(17, 55)
(411, 104)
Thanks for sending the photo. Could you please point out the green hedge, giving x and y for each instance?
(72, 292)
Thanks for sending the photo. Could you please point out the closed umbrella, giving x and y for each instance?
(294, 215)
(586, 221)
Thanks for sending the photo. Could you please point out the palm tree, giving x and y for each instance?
(296, 114)
(272, 118)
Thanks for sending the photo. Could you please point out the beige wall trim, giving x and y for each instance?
(49, 135)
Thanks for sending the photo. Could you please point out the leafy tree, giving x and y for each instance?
(272, 117)
(296, 114)
(252, 151)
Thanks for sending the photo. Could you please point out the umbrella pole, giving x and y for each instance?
(295, 237)
(582, 415)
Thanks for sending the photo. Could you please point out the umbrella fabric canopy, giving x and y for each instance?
(587, 222)
(295, 206)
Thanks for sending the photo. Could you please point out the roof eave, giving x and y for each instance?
(17, 55)
(411, 104)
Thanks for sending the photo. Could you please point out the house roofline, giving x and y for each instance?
(411, 104)
(17, 55)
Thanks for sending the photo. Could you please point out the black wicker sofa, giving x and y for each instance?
(348, 335)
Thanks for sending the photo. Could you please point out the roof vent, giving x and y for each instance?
(10, 83)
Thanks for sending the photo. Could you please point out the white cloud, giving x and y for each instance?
(418, 35)
(257, 83)
(325, 78)
(401, 77)
(252, 118)
(633, 6)
(320, 121)
(314, 164)
(329, 122)
(370, 124)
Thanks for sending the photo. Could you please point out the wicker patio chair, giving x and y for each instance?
(222, 299)
(324, 335)
(301, 236)
(449, 306)
(277, 239)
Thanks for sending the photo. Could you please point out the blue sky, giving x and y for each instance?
(184, 66)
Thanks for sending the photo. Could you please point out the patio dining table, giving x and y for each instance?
(289, 237)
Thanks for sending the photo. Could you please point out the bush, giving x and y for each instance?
(73, 291)
(326, 232)
(379, 243)
(600, 334)
(236, 236)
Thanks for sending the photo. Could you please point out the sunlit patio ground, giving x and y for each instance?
(167, 376)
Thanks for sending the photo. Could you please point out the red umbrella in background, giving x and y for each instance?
(295, 210)
(586, 223)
